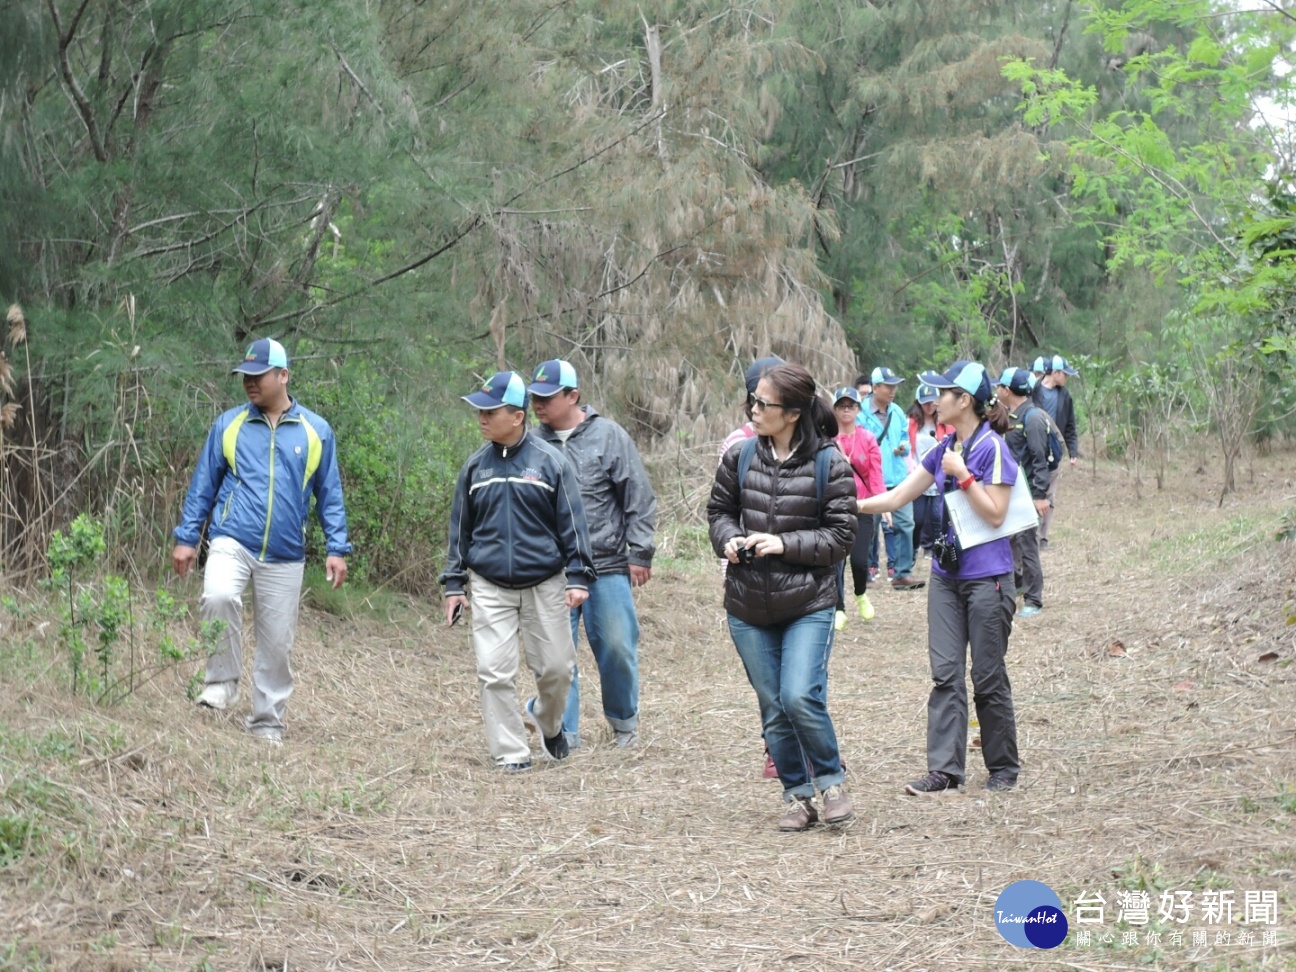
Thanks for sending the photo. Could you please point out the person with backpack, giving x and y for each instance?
(881, 416)
(1051, 394)
(861, 451)
(970, 601)
(1028, 440)
(782, 513)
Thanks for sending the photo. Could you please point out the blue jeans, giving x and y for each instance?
(787, 665)
(900, 541)
(612, 628)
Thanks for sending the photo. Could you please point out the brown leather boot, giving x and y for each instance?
(801, 815)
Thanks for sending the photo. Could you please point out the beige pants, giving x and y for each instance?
(539, 614)
(276, 594)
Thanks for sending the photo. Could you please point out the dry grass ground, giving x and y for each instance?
(380, 838)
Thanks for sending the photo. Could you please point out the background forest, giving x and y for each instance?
(413, 194)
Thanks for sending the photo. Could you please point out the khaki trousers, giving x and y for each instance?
(276, 596)
(540, 616)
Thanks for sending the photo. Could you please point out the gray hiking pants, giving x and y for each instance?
(1027, 567)
(976, 614)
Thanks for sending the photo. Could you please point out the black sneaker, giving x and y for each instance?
(933, 782)
(555, 747)
(999, 782)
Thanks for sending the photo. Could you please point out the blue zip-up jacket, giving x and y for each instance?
(517, 519)
(894, 468)
(256, 483)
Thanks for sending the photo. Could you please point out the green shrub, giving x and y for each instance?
(399, 468)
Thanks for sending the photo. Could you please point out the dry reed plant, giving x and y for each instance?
(381, 838)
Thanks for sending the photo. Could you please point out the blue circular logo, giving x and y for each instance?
(1029, 914)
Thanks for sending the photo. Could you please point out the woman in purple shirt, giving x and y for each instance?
(971, 597)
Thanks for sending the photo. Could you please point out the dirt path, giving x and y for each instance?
(379, 837)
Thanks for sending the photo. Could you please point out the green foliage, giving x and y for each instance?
(18, 834)
(91, 600)
(399, 462)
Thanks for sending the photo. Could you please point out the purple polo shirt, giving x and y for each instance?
(992, 462)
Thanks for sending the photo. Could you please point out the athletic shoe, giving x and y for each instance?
(866, 611)
(836, 805)
(269, 734)
(839, 620)
(555, 747)
(219, 695)
(998, 782)
(626, 738)
(890, 573)
(1029, 611)
(801, 815)
(516, 767)
(933, 783)
(873, 573)
(908, 583)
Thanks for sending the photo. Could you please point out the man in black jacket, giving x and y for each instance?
(1051, 395)
(1027, 439)
(518, 539)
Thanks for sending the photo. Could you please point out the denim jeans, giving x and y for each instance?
(787, 665)
(612, 628)
(900, 541)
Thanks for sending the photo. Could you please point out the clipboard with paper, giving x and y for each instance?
(972, 531)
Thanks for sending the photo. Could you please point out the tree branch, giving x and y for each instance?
(74, 91)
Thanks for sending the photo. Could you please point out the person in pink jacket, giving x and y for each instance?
(861, 450)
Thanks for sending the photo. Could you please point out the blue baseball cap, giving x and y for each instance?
(1038, 366)
(1016, 380)
(925, 393)
(885, 376)
(966, 376)
(849, 392)
(551, 377)
(501, 388)
(1059, 363)
(260, 357)
(758, 368)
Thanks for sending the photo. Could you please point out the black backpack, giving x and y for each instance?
(1054, 456)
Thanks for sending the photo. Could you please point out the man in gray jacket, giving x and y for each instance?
(621, 511)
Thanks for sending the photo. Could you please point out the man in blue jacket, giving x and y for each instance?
(887, 421)
(519, 542)
(621, 510)
(261, 466)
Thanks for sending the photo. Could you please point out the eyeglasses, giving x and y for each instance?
(759, 405)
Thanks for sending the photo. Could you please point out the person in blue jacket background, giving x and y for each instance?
(262, 464)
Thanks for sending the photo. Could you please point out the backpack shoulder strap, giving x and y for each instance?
(745, 456)
(823, 463)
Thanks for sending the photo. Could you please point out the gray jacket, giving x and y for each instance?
(620, 507)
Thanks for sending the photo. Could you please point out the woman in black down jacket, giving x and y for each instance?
(782, 542)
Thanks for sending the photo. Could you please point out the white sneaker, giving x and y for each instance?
(268, 734)
(219, 695)
(626, 738)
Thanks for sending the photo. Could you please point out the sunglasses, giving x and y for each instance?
(759, 404)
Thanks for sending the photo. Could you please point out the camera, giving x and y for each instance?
(946, 554)
(746, 555)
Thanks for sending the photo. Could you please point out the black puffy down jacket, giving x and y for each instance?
(779, 498)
